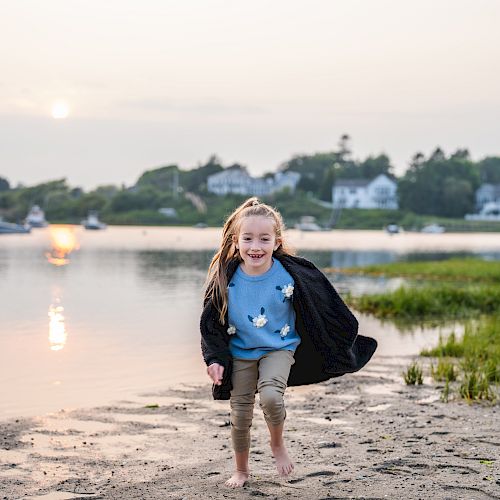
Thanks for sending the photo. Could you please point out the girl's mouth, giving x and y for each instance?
(255, 256)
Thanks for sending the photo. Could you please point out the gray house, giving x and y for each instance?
(238, 181)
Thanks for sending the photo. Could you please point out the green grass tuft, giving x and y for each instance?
(413, 375)
(444, 371)
(475, 387)
(449, 347)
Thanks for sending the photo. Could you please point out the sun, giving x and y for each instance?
(60, 110)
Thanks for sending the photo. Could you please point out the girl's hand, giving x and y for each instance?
(215, 372)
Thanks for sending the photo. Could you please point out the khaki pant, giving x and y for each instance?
(267, 375)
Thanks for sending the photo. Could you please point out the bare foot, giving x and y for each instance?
(283, 462)
(238, 479)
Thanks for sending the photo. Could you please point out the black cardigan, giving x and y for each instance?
(330, 345)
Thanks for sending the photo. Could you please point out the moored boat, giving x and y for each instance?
(489, 212)
(11, 228)
(433, 229)
(92, 221)
(36, 217)
(393, 228)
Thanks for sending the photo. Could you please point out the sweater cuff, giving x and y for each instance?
(221, 357)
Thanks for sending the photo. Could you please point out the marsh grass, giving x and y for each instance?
(476, 270)
(479, 347)
(445, 394)
(444, 371)
(475, 386)
(473, 360)
(444, 301)
(414, 375)
(467, 289)
(446, 347)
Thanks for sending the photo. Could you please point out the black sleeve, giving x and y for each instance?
(214, 338)
(325, 310)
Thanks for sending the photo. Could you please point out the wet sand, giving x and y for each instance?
(365, 435)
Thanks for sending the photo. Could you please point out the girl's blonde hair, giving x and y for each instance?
(216, 284)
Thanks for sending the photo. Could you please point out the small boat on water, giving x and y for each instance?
(92, 221)
(11, 228)
(393, 228)
(36, 217)
(489, 212)
(433, 229)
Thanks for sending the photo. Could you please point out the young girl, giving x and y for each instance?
(270, 320)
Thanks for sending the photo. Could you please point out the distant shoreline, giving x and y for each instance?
(190, 238)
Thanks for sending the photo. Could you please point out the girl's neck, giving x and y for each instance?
(256, 272)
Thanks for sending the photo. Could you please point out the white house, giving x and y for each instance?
(238, 181)
(487, 193)
(380, 192)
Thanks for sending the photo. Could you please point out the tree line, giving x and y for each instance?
(440, 185)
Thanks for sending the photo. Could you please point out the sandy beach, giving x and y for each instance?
(365, 435)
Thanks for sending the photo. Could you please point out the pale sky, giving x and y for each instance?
(155, 82)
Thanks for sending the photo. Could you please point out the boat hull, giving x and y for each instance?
(9, 228)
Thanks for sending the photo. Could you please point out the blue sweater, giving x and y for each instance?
(260, 312)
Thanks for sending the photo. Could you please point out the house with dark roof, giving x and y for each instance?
(380, 192)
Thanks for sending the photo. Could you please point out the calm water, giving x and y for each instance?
(107, 315)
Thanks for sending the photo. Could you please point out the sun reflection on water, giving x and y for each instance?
(63, 241)
(57, 328)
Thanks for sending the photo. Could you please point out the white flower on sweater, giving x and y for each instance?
(260, 320)
(286, 290)
(284, 331)
(231, 330)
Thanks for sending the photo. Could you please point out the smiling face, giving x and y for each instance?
(256, 242)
